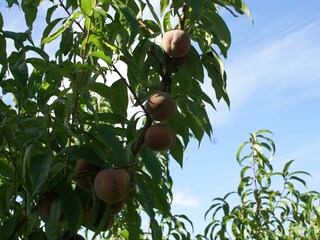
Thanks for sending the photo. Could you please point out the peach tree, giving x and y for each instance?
(99, 104)
(268, 204)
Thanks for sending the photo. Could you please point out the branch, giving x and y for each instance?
(137, 148)
(130, 89)
(84, 56)
(142, 24)
(67, 11)
(183, 16)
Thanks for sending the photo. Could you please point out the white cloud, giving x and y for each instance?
(306, 158)
(289, 62)
(307, 155)
(185, 198)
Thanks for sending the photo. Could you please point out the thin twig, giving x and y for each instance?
(130, 89)
(142, 24)
(183, 16)
(137, 148)
(84, 56)
(67, 11)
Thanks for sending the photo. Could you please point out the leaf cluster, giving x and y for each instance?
(71, 101)
(272, 205)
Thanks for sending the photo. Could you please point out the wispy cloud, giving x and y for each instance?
(306, 157)
(291, 61)
(184, 197)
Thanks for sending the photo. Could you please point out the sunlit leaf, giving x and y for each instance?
(163, 5)
(60, 30)
(87, 6)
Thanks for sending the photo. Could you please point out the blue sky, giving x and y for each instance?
(273, 83)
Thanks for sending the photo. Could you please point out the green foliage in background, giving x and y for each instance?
(272, 205)
(71, 100)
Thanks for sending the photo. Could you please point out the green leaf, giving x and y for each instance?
(1, 22)
(238, 5)
(133, 220)
(50, 27)
(3, 50)
(197, 8)
(155, 16)
(194, 65)
(215, 26)
(11, 2)
(167, 22)
(66, 42)
(214, 67)
(6, 169)
(285, 170)
(73, 213)
(178, 122)
(156, 230)
(50, 11)
(7, 228)
(18, 67)
(53, 221)
(163, 5)
(6, 193)
(18, 38)
(197, 109)
(84, 152)
(159, 196)
(146, 199)
(111, 118)
(133, 28)
(30, 8)
(194, 125)
(177, 151)
(36, 167)
(119, 92)
(300, 172)
(299, 180)
(112, 94)
(152, 164)
(101, 55)
(38, 64)
(60, 30)
(117, 151)
(39, 51)
(244, 9)
(87, 6)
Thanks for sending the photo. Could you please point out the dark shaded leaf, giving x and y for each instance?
(155, 16)
(152, 164)
(30, 8)
(7, 229)
(197, 8)
(36, 166)
(73, 213)
(117, 151)
(177, 151)
(53, 221)
(3, 52)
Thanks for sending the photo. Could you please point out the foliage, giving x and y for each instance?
(272, 204)
(65, 107)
